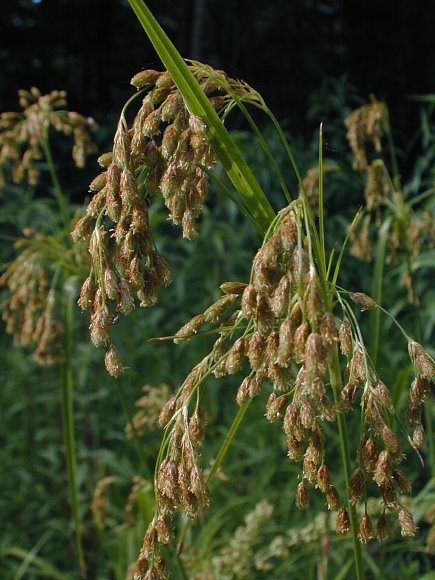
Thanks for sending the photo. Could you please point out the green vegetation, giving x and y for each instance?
(312, 454)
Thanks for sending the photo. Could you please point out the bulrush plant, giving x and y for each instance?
(289, 331)
(393, 214)
(40, 280)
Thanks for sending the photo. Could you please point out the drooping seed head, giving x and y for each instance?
(315, 355)
(406, 523)
(189, 329)
(275, 406)
(111, 284)
(233, 288)
(256, 351)
(383, 395)
(113, 362)
(126, 300)
(365, 530)
(243, 391)
(345, 338)
(285, 349)
(291, 420)
(348, 396)
(86, 295)
(388, 493)
(342, 524)
(235, 358)
(383, 528)
(323, 480)
(382, 472)
(418, 436)
(280, 299)
(295, 448)
(313, 298)
(420, 387)
(332, 499)
(256, 384)
(300, 339)
(356, 486)
(328, 329)
(167, 412)
(308, 418)
(301, 497)
(391, 441)
(164, 530)
(423, 363)
(363, 301)
(272, 345)
(249, 301)
(310, 468)
(145, 78)
(402, 481)
(369, 455)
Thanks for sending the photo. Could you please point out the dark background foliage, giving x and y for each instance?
(285, 49)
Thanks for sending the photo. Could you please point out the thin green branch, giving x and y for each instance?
(335, 378)
(378, 279)
(69, 430)
(57, 188)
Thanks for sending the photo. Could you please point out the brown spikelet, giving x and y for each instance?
(342, 524)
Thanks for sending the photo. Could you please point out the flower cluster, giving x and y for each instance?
(409, 229)
(421, 386)
(165, 153)
(149, 407)
(179, 483)
(281, 326)
(22, 135)
(365, 124)
(30, 310)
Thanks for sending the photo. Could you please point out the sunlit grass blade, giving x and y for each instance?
(226, 150)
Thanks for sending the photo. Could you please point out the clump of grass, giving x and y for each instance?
(38, 308)
(285, 324)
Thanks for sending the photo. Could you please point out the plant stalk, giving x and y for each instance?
(68, 428)
(57, 188)
(335, 378)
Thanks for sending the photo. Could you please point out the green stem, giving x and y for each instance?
(392, 150)
(335, 378)
(57, 188)
(265, 148)
(228, 439)
(378, 273)
(321, 215)
(68, 427)
(430, 441)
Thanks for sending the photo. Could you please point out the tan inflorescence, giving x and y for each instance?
(409, 230)
(149, 407)
(164, 152)
(366, 124)
(22, 134)
(422, 385)
(278, 330)
(30, 310)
